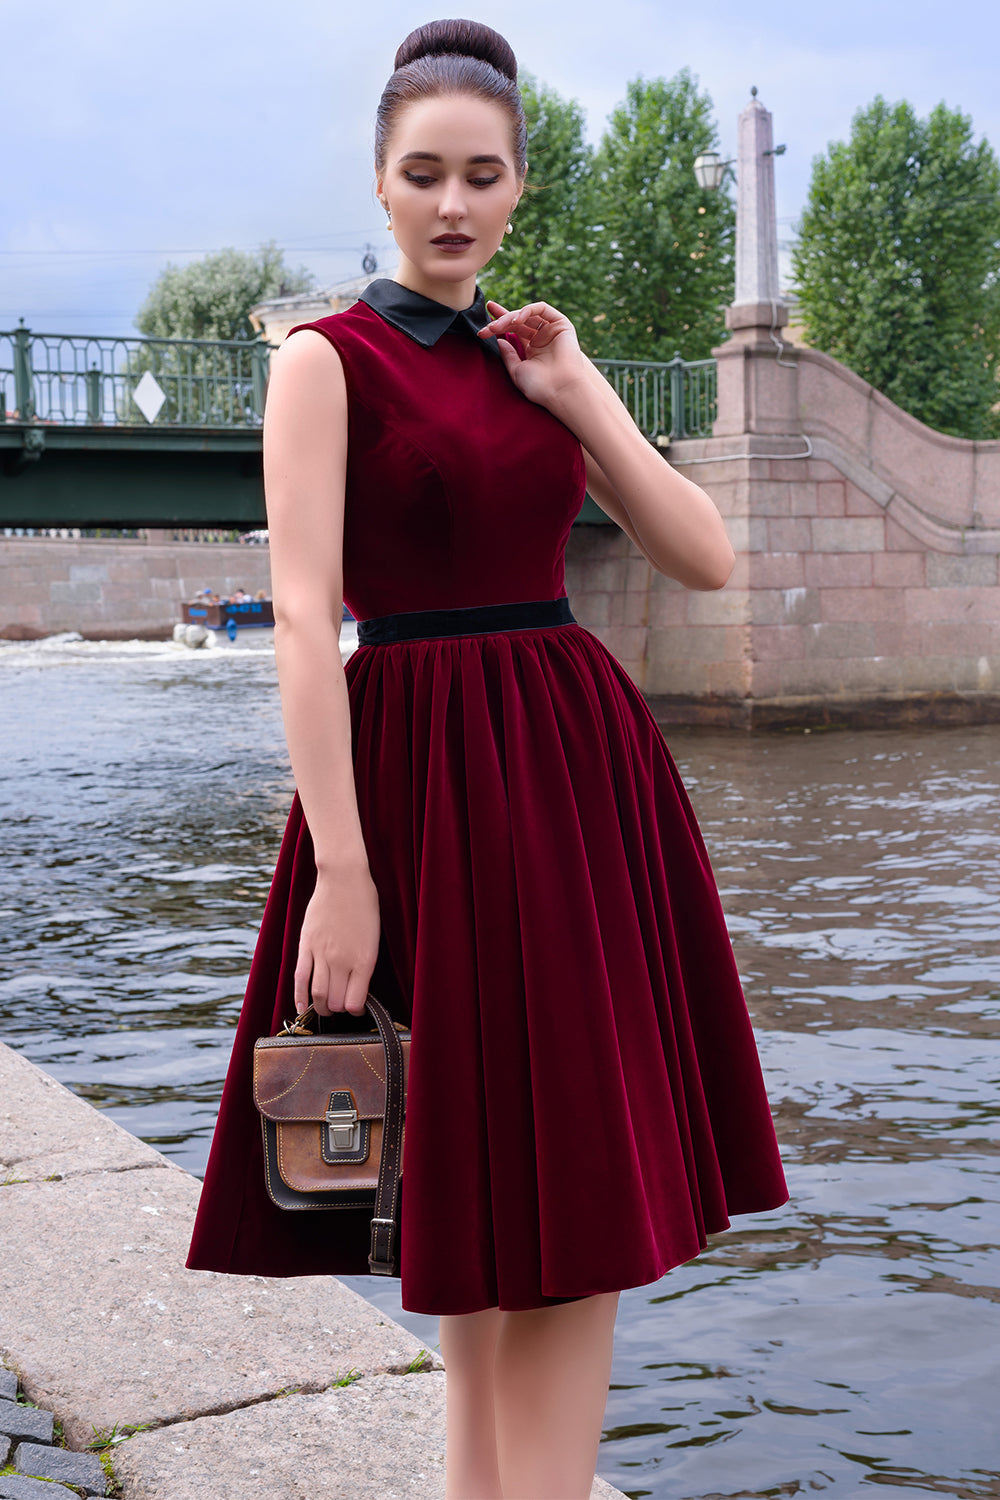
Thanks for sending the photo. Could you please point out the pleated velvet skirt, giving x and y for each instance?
(585, 1101)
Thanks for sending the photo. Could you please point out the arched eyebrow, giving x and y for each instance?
(474, 161)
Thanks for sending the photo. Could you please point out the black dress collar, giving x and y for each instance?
(423, 319)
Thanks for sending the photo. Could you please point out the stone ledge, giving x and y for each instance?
(104, 1323)
(381, 1438)
(106, 1326)
(884, 711)
(46, 1131)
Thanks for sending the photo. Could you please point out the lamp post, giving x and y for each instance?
(756, 219)
(757, 313)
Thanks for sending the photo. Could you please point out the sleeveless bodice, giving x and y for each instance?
(460, 491)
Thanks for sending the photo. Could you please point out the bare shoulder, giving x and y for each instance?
(305, 459)
(306, 392)
(306, 356)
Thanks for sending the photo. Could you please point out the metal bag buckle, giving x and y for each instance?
(344, 1129)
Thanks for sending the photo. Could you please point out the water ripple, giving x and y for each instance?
(845, 1341)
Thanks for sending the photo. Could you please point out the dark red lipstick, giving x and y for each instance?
(453, 241)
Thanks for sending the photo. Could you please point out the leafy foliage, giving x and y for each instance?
(897, 263)
(623, 240)
(211, 297)
(665, 246)
(549, 255)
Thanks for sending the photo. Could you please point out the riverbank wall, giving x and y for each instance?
(865, 590)
(116, 589)
(234, 1387)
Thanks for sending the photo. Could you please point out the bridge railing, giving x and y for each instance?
(675, 398)
(79, 380)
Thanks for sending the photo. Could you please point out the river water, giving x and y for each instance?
(848, 1340)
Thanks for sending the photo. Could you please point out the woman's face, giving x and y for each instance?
(450, 183)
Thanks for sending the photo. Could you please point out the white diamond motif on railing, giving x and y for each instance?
(149, 397)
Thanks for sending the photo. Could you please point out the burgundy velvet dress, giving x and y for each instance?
(585, 1099)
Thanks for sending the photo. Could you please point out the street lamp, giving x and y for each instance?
(710, 169)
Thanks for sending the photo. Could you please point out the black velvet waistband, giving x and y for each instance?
(481, 619)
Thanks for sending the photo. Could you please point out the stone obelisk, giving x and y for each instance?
(756, 221)
(759, 396)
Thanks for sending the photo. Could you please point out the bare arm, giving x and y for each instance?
(305, 461)
(603, 493)
(670, 519)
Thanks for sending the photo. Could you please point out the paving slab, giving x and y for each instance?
(84, 1470)
(381, 1438)
(8, 1384)
(13, 1487)
(25, 1422)
(105, 1325)
(46, 1131)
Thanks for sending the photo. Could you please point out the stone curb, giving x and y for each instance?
(381, 1437)
(108, 1330)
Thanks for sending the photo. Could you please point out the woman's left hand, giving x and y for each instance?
(553, 360)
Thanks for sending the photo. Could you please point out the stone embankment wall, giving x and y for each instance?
(865, 587)
(106, 588)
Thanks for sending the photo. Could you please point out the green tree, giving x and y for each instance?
(211, 297)
(897, 263)
(664, 247)
(549, 256)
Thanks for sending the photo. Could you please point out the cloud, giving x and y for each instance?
(150, 131)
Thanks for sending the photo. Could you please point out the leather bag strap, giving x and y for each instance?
(382, 1258)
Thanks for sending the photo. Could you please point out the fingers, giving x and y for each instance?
(303, 975)
(321, 989)
(534, 315)
(314, 985)
(509, 355)
(356, 992)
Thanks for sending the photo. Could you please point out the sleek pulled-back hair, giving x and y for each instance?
(453, 57)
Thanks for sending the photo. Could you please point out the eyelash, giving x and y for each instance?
(481, 182)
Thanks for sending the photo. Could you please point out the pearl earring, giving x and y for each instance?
(508, 228)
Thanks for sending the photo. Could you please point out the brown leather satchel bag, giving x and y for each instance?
(332, 1107)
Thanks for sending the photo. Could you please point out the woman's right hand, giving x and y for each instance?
(339, 942)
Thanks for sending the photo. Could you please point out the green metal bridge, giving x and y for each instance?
(140, 432)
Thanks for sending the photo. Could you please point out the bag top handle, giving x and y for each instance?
(305, 1023)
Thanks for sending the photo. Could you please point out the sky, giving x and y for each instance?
(137, 134)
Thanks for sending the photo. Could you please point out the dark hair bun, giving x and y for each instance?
(463, 38)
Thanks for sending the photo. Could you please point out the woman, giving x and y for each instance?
(488, 828)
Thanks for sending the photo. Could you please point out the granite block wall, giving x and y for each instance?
(868, 559)
(105, 587)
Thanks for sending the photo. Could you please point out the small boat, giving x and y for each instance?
(201, 622)
(242, 612)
